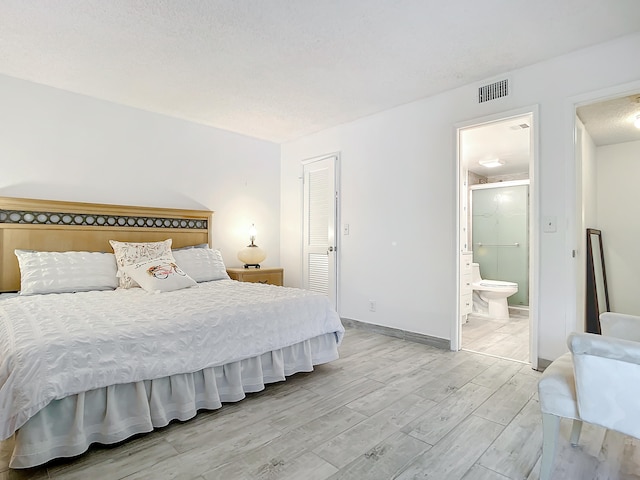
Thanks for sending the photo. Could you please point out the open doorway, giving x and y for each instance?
(607, 150)
(496, 164)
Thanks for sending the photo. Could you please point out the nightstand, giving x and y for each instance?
(272, 276)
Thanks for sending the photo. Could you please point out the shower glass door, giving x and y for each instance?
(500, 236)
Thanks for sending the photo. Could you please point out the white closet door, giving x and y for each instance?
(320, 217)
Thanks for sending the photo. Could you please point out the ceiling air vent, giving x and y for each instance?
(494, 90)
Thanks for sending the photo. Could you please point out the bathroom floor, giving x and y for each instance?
(501, 338)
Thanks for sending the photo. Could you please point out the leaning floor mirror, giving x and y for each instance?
(597, 294)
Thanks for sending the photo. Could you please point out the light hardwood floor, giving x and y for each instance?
(502, 338)
(387, 409)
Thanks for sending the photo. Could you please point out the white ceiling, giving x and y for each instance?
(280, 69)
(612, 121)
(608, 122)
(508, 140)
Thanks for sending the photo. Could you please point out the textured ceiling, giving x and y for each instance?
(612, 121)
(508, 140)
(280, 69)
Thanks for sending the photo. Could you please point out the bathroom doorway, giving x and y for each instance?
(496, 165)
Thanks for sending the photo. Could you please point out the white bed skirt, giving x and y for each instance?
(67, 427)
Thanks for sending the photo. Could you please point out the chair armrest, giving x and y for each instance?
(620, 325)
(606, 347)
(606, 371)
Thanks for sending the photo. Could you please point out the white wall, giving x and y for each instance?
(399, 195)
(589, 182)
(587, 195)
(62, 146)
(618, 201)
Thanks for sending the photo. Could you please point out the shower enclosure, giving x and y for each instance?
(500, 234)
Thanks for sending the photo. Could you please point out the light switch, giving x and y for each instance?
(345, 229)
(549, 224)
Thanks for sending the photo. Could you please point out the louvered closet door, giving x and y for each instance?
(320, 216)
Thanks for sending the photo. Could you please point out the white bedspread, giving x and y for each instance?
(56, 345)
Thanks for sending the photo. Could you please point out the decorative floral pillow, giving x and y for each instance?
(128, 253)
(159, 275)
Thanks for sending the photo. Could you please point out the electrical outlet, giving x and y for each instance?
(372, 305)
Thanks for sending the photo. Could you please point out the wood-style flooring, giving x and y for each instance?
(502, 338)
(387, 409)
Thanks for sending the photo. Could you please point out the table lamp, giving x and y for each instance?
(252, 254)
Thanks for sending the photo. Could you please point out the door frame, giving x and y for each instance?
(575, 238)
(534, 231)
(333, 282)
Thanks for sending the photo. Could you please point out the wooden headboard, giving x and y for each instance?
(56, 226)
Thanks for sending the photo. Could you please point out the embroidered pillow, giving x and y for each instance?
(128, 253)
(159, 274)
(201, 264)
(64, 272)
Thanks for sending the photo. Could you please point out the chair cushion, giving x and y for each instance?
(557, 388)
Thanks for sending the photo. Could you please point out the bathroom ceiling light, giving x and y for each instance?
(491, 163)
(637, 122)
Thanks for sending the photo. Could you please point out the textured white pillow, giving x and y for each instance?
(159, 275)
(189, 247)
(201, 264)
(128, 253)
(60, 272)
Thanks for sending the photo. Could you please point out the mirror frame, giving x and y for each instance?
(595, 282)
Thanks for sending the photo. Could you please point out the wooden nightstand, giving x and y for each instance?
(272, 276)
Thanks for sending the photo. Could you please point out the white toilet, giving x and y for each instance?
(490, 296)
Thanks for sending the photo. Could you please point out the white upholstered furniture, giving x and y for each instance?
(597, 381)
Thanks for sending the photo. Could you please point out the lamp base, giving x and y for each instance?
(251, 256)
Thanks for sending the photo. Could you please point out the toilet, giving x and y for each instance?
(490, 296)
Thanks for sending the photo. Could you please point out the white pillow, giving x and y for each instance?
(189, 247)
(128, 253)
(159, 275)
(201, 264)
(60, 272)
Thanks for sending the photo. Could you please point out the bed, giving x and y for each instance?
(95, 364)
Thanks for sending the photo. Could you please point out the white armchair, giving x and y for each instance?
(597, 381)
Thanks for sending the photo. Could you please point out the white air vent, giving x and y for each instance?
(494, 90)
